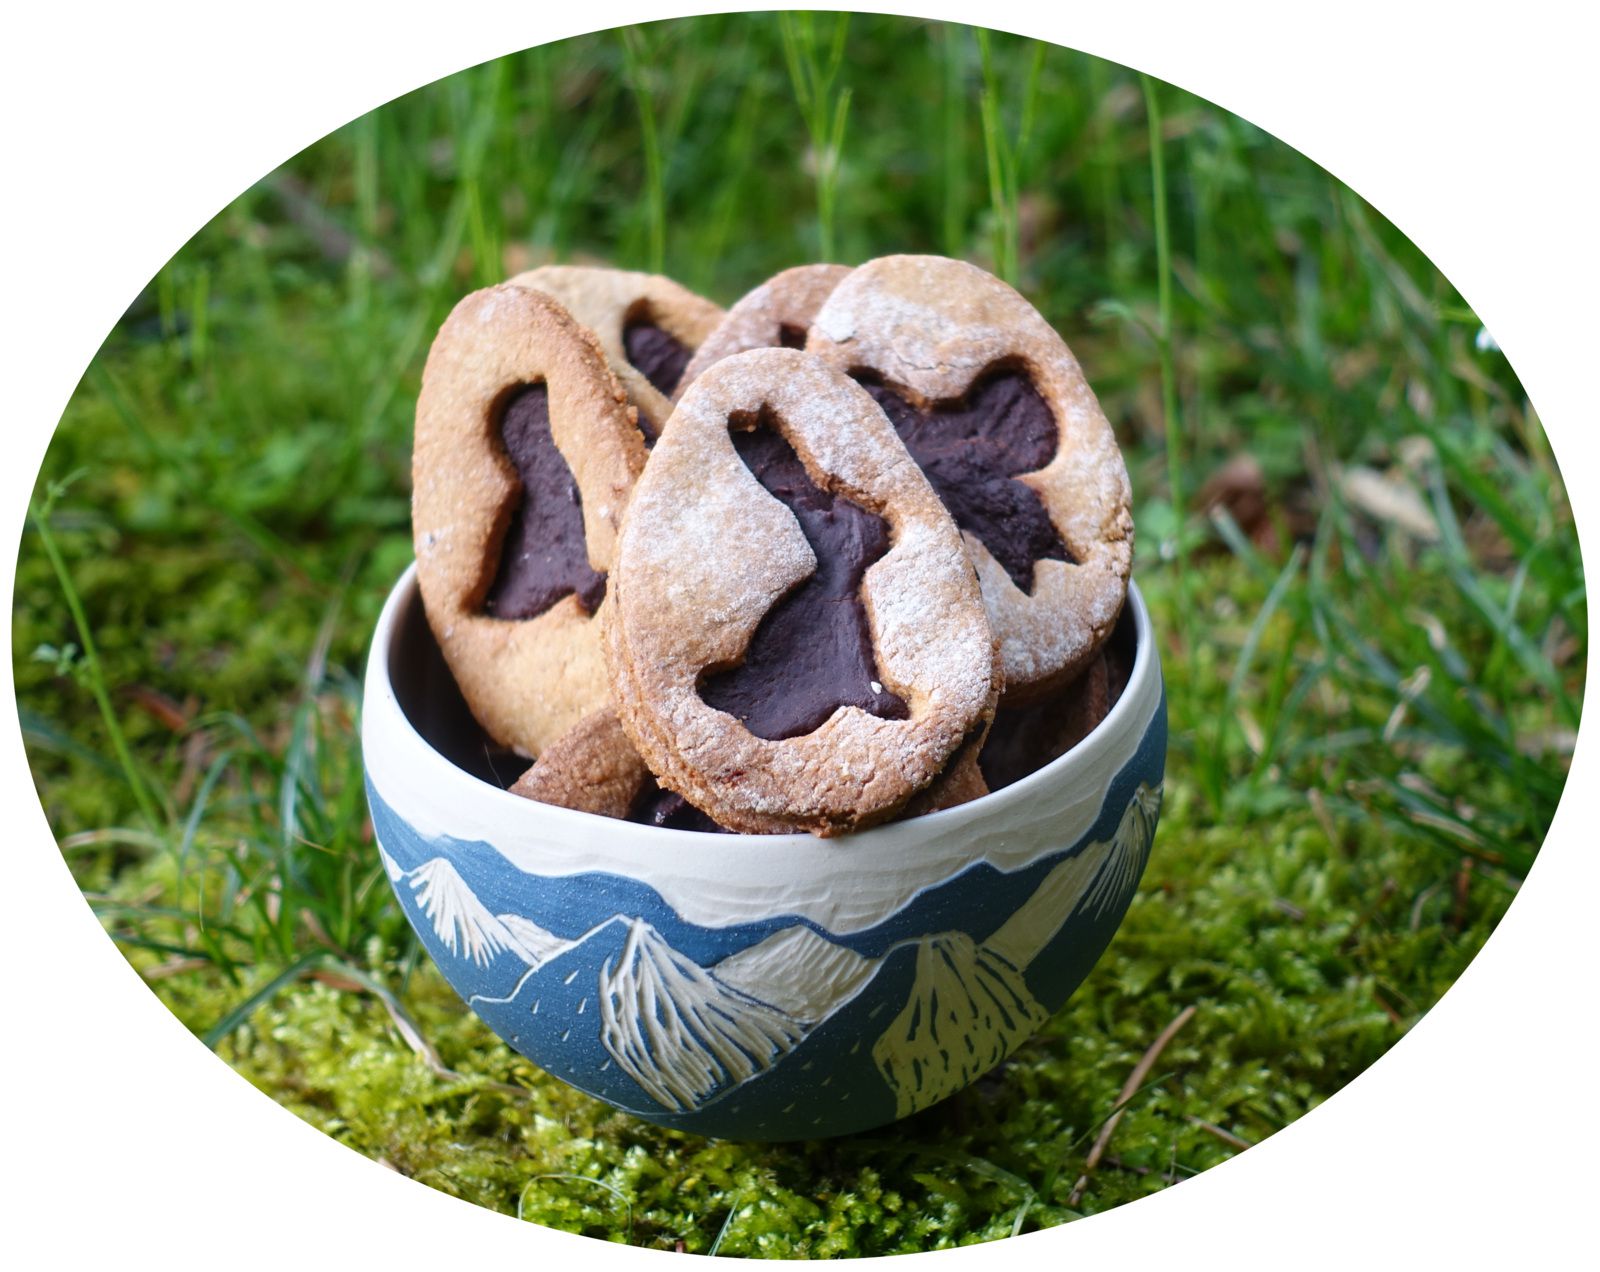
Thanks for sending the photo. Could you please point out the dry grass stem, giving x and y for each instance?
(1136, 1079)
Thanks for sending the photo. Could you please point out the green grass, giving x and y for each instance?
(1372, 700)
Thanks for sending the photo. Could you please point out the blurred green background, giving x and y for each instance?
(1351, 530)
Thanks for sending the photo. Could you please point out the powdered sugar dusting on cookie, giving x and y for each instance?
(682, 526)
(606, 300)
(704, 553)
(925, 636)
(929, 327)
(526, 681)
(789, 300)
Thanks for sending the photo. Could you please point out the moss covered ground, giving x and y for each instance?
(1352, 534)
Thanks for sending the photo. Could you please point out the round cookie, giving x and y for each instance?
(991, 403)
(777, 314)
(795, 635)
(524, 455)
(648, 326)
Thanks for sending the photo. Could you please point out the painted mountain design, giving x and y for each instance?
(684, 1033)
(970, 1005)
(531, 942)
(819, 976)
(678, 1031)
(461, 922)
(969, 1008)
(464, 925)
(688, 1035)
(1130, 849)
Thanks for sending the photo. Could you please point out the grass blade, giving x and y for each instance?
(293, 972)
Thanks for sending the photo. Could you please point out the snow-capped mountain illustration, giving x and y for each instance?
(678, 1030)
(818, 977)
(391, 867)
(1130, 847)
(1096, 877)
(462, 922)
(532, 944)
(684, 1033)
(970, 1006)
(465, 925)
(687, 1035)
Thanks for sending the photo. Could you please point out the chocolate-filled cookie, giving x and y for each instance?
(525, 453)
(795, 635)
(648, 326)
(777, 314)
(993, 406)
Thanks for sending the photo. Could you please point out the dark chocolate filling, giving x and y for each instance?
(971, 450)
(654, 806)
(812, 652)
(545, 555)
(656, 355)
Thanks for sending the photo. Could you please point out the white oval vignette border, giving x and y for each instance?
(132, 125)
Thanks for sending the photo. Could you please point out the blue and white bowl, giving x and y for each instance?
(756, 986)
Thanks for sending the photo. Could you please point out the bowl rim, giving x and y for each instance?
(379, 690)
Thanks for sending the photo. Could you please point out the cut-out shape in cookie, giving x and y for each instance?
(544, 556)
(963, 364)
(972, 450)
(525, 453)
(648, 326)
(776, 315)
(812, 652)
(655, 354)
(709, 552)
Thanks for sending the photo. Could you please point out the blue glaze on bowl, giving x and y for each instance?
(760, 987)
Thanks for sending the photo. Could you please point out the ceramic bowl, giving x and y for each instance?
(756, 986)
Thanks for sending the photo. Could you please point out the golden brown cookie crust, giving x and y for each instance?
(607, 300)
(526, 681)
(757, 320)
(705, 552)
(931, 326)
(592, 767)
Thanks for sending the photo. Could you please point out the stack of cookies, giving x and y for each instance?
(852, 550)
